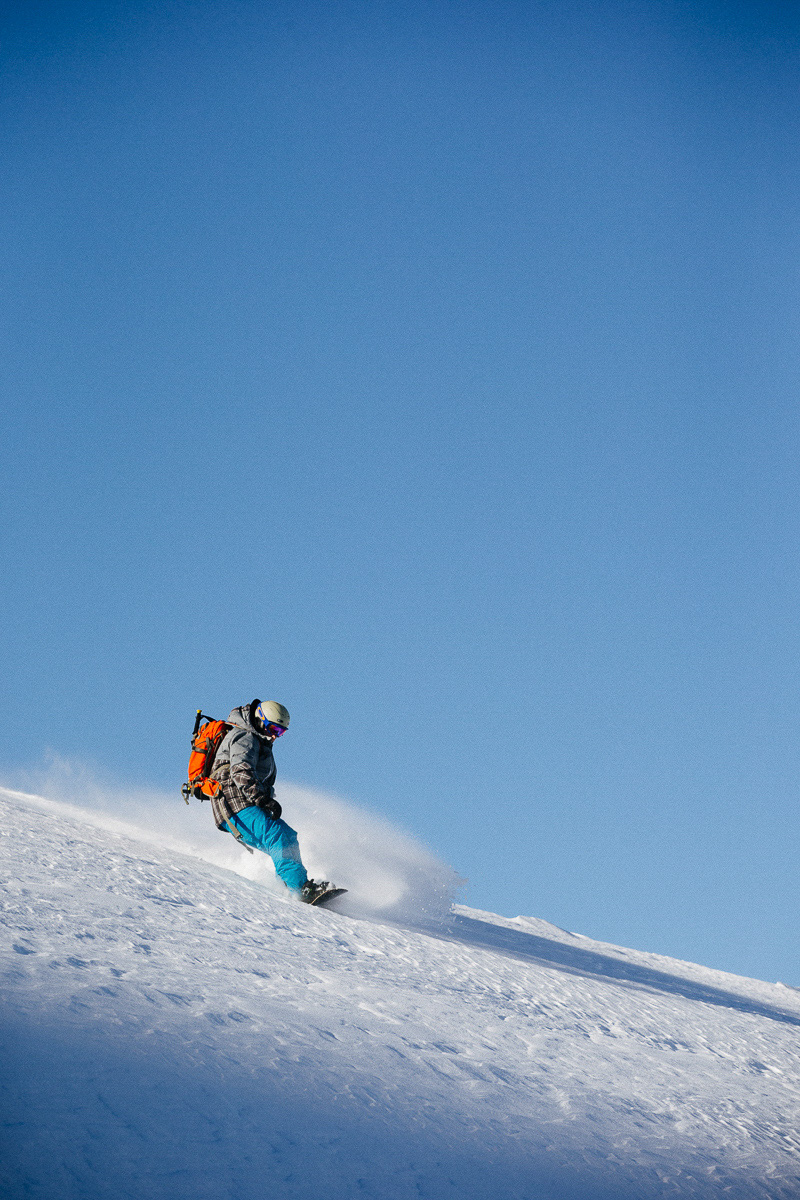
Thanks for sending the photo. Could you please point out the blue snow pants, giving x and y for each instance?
(275, 838)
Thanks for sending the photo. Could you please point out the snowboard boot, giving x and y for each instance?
(311, 890)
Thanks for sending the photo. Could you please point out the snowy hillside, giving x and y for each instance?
(173, 1029)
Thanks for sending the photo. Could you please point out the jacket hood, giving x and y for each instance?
(244, 717)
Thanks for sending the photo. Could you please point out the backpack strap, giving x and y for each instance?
(236, 834)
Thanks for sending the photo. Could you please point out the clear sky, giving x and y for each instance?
(432, 368)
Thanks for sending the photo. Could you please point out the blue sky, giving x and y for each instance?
(431, 368)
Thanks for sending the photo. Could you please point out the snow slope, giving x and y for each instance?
(174, 1029)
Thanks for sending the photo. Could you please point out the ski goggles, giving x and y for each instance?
(273, 730)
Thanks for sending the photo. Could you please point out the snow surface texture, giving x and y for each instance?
(176, 1029)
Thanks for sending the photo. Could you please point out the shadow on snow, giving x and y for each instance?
(577, 961)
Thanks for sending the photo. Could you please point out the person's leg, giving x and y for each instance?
(275, 838)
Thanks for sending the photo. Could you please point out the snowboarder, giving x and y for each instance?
(246, 804)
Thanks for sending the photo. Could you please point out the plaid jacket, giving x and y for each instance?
(243, 765)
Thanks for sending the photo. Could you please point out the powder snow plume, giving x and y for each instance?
(388, 872)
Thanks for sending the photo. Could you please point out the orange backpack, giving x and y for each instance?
(205, 742)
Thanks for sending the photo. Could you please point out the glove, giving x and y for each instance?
(272, 809)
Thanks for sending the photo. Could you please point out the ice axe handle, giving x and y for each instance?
(185, 790)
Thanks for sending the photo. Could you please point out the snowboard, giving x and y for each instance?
(326, 897)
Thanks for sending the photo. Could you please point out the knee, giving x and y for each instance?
(288, 836)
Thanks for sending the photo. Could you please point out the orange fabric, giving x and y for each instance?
(201, 760)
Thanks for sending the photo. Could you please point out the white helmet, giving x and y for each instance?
(269, 712)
